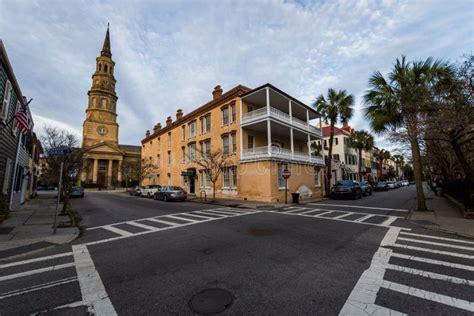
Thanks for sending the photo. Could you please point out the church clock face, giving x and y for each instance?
(102, 130)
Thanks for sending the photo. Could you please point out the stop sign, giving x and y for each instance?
(285, 173)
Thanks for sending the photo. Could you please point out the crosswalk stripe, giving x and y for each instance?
(363, 218)
(366, 207)
(296, 210)
(117, 230)
(36, 271)
(142, 225)
(37, 287)
(427, 295)
(225, 212)
(440, 238)
(183, 219)
(310, 211)
(436, 243)
(199, 216)
(439, 252)
(209, 213)
(163, 222)
(12, 264)
(320, 214)
(430, 275)
(344, 215)
(433, 261)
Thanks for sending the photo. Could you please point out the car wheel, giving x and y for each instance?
(165, 198)
(155, 197)
(148, 195)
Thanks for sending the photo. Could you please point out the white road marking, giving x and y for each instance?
(209, 213)
(427, 295)
(183, 219)
(37, 287)
(361, 301)
(344, 215)
(363, 218)
(433, 261)
(430, 275)
(439, 252)
(436, 243)
(221, 212)
(36, 271)
(367, 207)
(13, 264)
(320, 214)
(296, 209)
(92, 288)
(163, 222)
(136, 224)
(440, 238)
(199, 216)
(389, 220)
(310, 211)
(117, 230)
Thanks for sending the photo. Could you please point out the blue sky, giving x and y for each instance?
(170, 54)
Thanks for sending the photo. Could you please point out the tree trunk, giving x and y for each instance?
(329, 160)
(417, 168)
(360, 165)
(466, 167)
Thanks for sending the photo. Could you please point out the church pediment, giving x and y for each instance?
(104, 147)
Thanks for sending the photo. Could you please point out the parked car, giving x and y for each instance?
(405, 183)
(346, 188)
(366, 188)
(135, 191)
(171, 193)
(391, 185)
(381, 186)
(76, 191)
(412, 182)
(149, 190)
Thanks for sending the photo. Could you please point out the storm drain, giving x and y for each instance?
(211, 301)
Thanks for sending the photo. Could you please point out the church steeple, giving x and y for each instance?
(106, 47)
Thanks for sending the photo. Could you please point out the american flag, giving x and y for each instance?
(22, 121)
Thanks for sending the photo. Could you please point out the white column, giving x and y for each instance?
(268, 100)
(309, 147)
(307, 118)
(269, 137)
(95, 170)
(241, 140)
(292, 144)
(240, 109)
(119, 173)
(109, 174)
(290, 111)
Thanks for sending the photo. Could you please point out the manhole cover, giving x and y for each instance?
(260, 232)
(211, 301)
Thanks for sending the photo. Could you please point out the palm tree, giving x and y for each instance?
(336, 107)
(361, 140)
(384, 156)
(399, 161)
(396, 103)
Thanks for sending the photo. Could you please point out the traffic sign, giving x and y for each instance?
(59, 151)
(285, 173)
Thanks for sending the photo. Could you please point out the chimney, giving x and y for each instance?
(179, 114)
(217, 92)
(168, 121)
(147, 133)
(157, 127)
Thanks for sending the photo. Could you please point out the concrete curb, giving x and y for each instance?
(261, 206)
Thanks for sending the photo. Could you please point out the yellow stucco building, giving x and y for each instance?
(261, 131)
(105, 159)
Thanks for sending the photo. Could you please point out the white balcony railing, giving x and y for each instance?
(280, 115)
(261, 153)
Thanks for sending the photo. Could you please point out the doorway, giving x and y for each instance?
(102, 174)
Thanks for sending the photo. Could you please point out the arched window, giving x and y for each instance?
(105, 68)
(100, 67)
(104, 103)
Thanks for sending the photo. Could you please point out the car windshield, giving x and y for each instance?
(175, 188)
(345, 182)
(381, 183)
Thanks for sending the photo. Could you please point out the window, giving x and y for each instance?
(208, 122)
(183, 154)
(225, 177)
(169, 157)
(335, 156)
(233, 171)
(105, 68)
(233, 112)
(201, 124)
(184, 131)
(225, 116)
(250, 142)
(100, 67)
(192, 129)
(6, 178)
(225, 144)
(249, 108)
(317, 178)
(325, 143)
(335, 139)
(207, 145)
(234, 142)
(104, 103)
(169, 138)
(346, 141)
(192, 151)
(158, 160)
(7, 95)
(94, 102)
(14, 127)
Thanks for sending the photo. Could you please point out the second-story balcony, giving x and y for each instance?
(262, 153)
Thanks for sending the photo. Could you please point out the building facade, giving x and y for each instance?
(104, 156)
(15, 148)
(260, 132)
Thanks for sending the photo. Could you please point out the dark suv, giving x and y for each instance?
(346, 188)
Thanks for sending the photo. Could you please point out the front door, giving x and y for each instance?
(192, 184)
(102, 174)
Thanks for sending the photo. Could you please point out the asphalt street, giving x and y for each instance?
(144, 257)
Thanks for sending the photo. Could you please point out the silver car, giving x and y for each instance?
(171, 193)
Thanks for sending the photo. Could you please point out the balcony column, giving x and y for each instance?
(309, 147)
(292, 143)
(94, 171)
(241, 134)
(290, 111)
(119, 173)
(307, 118)
(267, 90)
(109, 174)
(269, 137)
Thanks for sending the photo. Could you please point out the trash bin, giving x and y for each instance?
(296, 197)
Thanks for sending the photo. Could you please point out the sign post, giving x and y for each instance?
(285, 173)
(59, 152)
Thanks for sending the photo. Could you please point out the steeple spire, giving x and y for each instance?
(106, 48)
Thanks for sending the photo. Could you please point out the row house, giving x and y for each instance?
(16, 149)
(260, 131)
